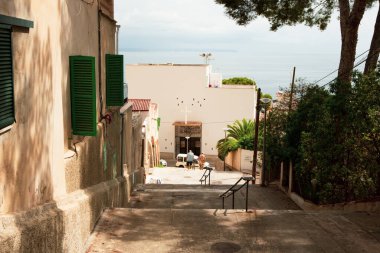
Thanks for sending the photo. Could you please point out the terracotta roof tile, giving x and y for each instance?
(139, 104)
(189, 123)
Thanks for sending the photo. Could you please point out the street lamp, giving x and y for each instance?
(265, 102)
(187, 144)
(207, 57)
(225, 139)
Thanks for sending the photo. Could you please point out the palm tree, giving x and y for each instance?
(239, 135)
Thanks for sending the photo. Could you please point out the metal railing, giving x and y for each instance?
(206, 174)
(235, 188)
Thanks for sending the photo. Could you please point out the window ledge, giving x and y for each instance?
(6, 129)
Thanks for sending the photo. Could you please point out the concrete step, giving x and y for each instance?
(207, 197)
(215, 230)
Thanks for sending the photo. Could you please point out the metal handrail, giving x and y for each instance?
(205, 176)
(236, 188)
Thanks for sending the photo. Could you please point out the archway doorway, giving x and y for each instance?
(193, 130)
(193, 144)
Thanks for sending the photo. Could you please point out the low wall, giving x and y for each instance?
(242, 160)
(64, 225)
(233, 160)
(353, 206)
(167, 155)
(347, 207)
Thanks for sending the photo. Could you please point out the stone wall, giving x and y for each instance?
(63, 225)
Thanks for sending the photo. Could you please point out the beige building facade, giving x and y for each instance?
(145, 114)
(54, 184)
(189, 105)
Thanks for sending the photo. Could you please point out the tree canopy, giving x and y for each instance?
(284, 12)
(239, 81)
(311, 13)
(280, 13)
(266, 95)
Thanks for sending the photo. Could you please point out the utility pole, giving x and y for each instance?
(290, 108)
(225, 138)
(292, 90)
(263, 172)
(256, 134)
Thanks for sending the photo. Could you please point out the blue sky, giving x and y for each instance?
(202, 26)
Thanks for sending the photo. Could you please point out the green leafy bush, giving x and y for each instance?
(239, 81)
(238, 135)
(334, 141)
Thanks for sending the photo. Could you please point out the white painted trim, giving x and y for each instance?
(125, 107)
(6, 129)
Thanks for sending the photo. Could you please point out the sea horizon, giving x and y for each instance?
(270, 71)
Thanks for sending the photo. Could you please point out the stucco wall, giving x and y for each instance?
(149, 133)
(127, 148)
(169, 85)
(233, 160)
(53, 185)
(240, 160)
(38, 161)
(137, 122)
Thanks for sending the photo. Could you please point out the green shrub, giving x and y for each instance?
(334, 141)
(239, 81)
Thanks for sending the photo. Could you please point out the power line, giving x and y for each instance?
(338, 69)
(355, 66)
(203, 123)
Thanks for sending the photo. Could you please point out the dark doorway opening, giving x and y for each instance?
(192, 130)
(194, 145)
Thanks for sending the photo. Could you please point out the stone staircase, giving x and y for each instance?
(188, 218)
(206, 197)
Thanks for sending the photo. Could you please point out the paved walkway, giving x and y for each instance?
(187, 218)
(173, 175)
(196, 230)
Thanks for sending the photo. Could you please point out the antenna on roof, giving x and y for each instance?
(207, 57)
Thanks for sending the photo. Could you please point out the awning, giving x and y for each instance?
(189, 123)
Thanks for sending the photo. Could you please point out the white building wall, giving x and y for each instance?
(173, 87)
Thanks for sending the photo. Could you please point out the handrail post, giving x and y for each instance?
(223, 203)
(246, 196)
(206, 174)
(234, 189)
(233, 200)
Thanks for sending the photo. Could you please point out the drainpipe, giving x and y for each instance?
(100, 60)
(117, 39)
(122, 145)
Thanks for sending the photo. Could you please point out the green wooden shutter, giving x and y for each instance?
(114, 78)
(7, 112)
(83, 95)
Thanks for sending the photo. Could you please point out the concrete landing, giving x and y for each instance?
(197, 230)
(174, 175)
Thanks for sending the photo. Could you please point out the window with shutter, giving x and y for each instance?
(7, 112)
(114, 80)
(83, 95)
